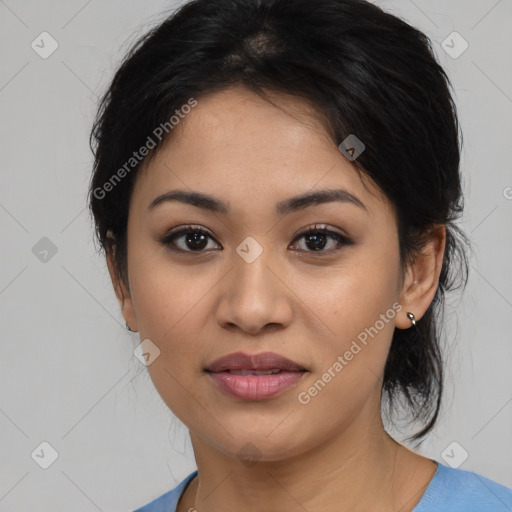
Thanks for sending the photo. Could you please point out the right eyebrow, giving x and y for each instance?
(194, 198)
(283, 208)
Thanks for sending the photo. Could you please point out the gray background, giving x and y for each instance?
(68, 374)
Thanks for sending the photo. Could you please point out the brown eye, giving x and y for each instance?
(320, 238)
(187, 239)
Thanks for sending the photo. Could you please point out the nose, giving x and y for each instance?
(254, 297)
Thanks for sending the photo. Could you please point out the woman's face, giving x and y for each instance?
(250, 282)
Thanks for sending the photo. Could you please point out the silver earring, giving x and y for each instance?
(128, 327)
(412, 318)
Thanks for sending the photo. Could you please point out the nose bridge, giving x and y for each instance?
(252, 277)
(252, 297)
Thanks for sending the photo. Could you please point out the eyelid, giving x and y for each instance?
(340, 237)
(187, 228)
(319, 227)
(179, 231)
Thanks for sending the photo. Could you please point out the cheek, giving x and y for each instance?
(173, 307)
(169, 303)
(167, 296)
(351, 296)
(358, 304)
(349, 373)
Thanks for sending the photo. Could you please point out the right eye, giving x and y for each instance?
(191, 239)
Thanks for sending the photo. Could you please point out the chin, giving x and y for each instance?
(254, 441)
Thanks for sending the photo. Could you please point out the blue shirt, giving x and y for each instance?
(450, 490)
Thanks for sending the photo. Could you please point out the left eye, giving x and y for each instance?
(195, 239)
(317, 240)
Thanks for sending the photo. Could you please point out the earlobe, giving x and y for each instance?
(121, 291)
(422, 278)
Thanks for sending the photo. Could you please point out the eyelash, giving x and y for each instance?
(169, 238)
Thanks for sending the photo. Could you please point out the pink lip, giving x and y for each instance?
(254, 387)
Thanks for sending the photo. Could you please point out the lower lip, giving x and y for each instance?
(255, 387)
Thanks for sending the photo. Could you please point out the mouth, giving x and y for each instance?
(254, 376)
(263, 362)
(254, 372)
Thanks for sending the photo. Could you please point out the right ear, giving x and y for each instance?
(122, 293)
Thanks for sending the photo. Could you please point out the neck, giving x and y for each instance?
(360, 469)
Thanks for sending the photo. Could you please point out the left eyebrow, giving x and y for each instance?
(285, 207)
(314, 198)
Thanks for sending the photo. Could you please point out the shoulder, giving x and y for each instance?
(458, 490)
(167, 502)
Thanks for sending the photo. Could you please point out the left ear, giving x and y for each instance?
(422, 277)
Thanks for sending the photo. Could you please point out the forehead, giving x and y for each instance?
(236, 144)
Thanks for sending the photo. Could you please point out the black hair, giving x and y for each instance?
(365, 71)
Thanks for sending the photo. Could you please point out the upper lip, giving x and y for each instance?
(261, 361)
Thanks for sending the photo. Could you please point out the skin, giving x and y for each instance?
(308, 306)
